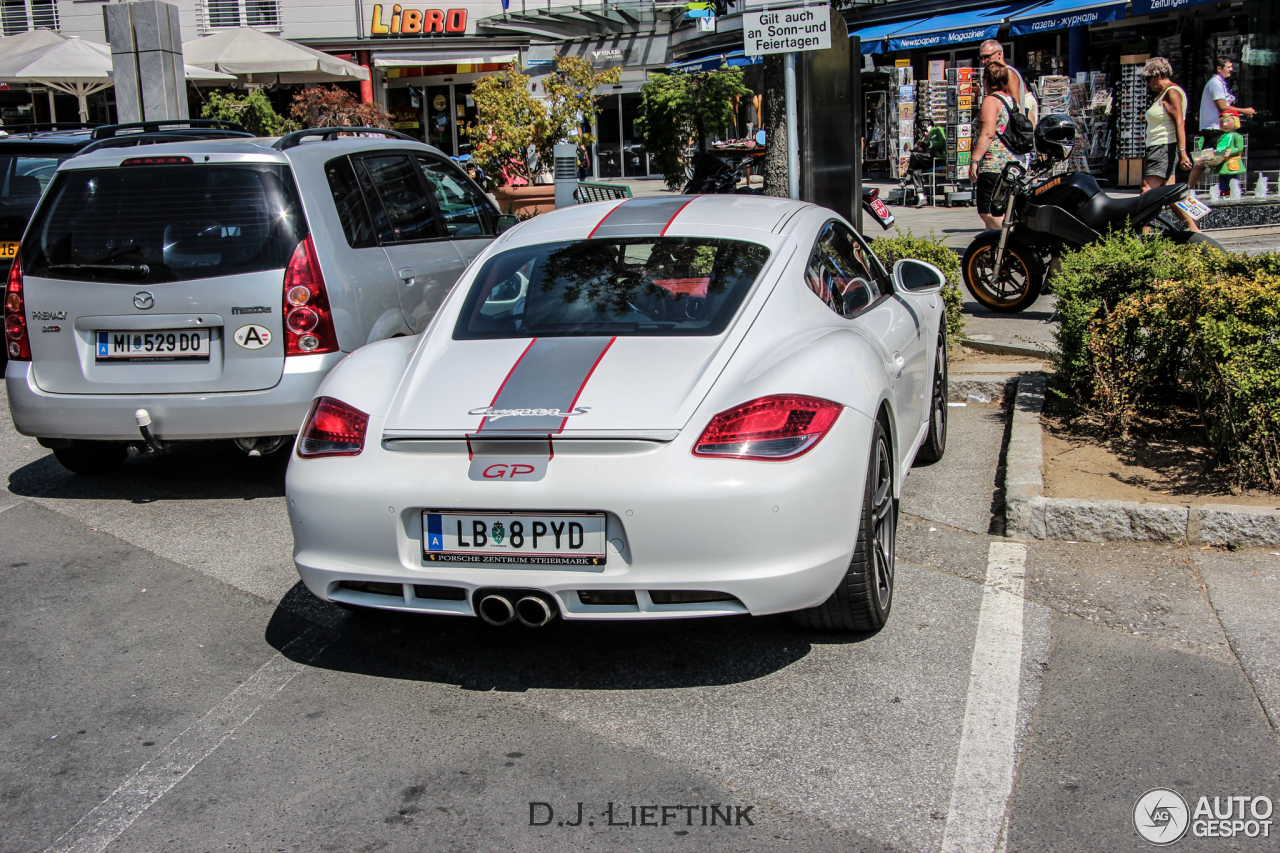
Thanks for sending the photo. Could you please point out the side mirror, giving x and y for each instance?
(507, 221)
(917, 277)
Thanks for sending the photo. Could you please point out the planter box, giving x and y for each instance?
(526, 201)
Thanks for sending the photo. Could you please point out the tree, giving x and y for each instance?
(683, 107)
(253, 111)
(774, 108)
(516, 134)
(317, 106)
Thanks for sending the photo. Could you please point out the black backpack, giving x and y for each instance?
(1019, 134)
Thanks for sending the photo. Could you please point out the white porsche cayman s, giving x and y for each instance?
(647, 409)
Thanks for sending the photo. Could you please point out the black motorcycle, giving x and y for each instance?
(1005, 270)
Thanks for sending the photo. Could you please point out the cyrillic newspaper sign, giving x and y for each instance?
(786, 30)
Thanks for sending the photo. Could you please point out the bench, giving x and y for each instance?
(589, 191)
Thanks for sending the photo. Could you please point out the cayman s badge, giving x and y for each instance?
(143, 300)
(494, 414)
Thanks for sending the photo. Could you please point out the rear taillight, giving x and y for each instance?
(783, 426)
(17, 342)
(332, 428)
(157, 161)
(308, 322)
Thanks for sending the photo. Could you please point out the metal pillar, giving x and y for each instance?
(566, 173)
(793, 135)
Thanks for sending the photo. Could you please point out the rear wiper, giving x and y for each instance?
(134, 269)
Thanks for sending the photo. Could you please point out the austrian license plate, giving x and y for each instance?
(564, 539)
(8, 249)
(1194, 208)
(157, 345)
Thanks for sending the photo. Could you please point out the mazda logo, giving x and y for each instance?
(143, 300)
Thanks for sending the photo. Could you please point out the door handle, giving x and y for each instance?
(898, 364)
(407, 275)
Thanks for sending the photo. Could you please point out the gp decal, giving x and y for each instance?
(541, 391)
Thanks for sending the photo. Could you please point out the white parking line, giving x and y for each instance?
(96, 830)
(984, 765)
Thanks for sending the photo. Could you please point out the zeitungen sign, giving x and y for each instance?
(786, 30)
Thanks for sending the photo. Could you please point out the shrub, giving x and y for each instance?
(929, 249)
(517, 132)
(1147, 324)
(253, 111)
(317, 106)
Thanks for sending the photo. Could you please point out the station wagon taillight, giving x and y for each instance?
(17, 342)
(332, 428)
(782, 426)
(157, 161)
(308, 321)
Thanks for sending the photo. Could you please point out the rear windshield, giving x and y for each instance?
(634, 286)
(153, 224)
(23, 178)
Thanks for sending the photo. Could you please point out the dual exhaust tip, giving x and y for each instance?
(532, 609)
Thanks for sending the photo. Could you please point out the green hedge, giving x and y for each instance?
(1146, 324)
(929, 249)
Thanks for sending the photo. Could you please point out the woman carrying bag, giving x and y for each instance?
(990, 154)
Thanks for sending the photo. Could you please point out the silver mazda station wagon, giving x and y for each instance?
(203, 289)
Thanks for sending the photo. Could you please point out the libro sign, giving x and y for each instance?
(398, 20)
(786, 30)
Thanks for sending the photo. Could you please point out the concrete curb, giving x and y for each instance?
(961, 385)
(1005, 348)
(1030, 515)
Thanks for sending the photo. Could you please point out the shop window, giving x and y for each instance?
(19, 16)
(466, 213)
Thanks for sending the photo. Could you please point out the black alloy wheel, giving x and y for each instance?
(865, 595)
(1018, 283)
(935, 443)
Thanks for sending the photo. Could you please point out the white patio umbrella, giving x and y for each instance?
(256, 57)
(30, 40)
(76, 67)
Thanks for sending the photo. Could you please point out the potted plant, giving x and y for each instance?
(516, 132)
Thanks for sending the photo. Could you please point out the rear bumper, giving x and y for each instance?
(175, 417)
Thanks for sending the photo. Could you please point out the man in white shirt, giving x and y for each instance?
(1216, 98)
(992, 51)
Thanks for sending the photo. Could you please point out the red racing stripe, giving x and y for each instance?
(585, 380)
(663, 233)
(504, 383)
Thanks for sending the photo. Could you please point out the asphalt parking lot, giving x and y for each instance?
(168, 684)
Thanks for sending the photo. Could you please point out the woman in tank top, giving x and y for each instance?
(1166, 126)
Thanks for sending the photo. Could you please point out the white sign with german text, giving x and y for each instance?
(786, 30)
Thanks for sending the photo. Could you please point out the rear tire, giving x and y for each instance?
(1021, 279)
(92, 457)
(935, 443)
(865, 595)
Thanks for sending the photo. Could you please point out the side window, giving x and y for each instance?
(838, 273)
(357, 224)
(409, 212)
(465, 211)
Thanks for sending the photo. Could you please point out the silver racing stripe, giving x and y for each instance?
(542, 389)
(640, 217)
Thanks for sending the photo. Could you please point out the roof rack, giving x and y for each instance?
(328, 134)
(110, 131)
(132, 139)
(39, 127)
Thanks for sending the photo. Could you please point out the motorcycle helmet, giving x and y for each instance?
(1056, 136)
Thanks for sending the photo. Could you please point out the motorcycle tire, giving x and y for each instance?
(1016, 289)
